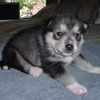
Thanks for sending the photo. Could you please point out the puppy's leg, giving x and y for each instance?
(83, 64)
(33, 70)
(12, 58)
(70, 83)
(57, 71)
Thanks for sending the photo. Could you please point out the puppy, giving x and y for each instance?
(50, 47)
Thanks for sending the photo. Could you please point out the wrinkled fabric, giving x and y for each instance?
(15, 85)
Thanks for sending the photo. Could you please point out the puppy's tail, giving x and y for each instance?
(3, 65)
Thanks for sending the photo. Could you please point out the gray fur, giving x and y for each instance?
(50, 47)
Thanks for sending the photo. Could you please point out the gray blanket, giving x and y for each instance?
(15, 85)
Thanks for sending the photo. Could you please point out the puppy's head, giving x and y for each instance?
(65, 35)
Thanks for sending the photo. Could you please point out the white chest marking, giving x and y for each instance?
(65, 59)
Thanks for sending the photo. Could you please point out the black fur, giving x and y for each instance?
(54, 69)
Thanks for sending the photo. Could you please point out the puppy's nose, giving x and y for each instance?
(69, 47)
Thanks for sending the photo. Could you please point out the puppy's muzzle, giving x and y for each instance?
(69, 48)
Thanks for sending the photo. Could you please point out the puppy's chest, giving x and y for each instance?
(66, 60)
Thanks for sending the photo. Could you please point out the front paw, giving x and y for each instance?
(77, 88)
(95, 70)
(35, 71)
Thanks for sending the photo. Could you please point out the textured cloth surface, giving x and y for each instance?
(15, 85)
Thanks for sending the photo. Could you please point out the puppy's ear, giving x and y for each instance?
(49, 25)
(84, 27)
(49, 22)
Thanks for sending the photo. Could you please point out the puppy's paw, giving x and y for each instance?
(35, 71)
(95, 70)
(77, 88)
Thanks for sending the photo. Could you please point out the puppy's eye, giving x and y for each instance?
(78, 36)
(59, 34)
